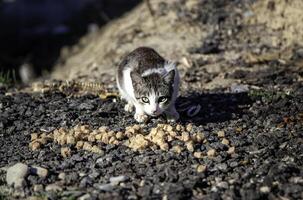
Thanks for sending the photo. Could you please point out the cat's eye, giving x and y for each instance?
(144, 99)
(162, 99)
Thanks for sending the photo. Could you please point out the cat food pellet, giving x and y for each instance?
(190, 146)
(65, 152)
(177, 149)
(189, 127)
(91, 138)
(198, 154)
(119, 135)
(201, 168)
(199, 137)
(211, 153)
(185, 136)
(35, 145)
(96, 149)
(225, 141)
(87, 146)
(221, 134)
(70, 139)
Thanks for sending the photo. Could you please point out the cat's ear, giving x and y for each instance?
(136, 78)
(169, 77)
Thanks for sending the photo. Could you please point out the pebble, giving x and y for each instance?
(40, 171)
(62, 176)
(116, 180)
(265, 189)
(53, 188)
(38, 188)
(16, 175)
(104, 187)
(231, 150)
(85, 197)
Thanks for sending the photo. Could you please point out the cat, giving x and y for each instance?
(148, 83)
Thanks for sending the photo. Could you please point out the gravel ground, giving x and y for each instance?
(251, 131)
(261, 156)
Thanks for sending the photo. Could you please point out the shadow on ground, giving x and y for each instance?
(214, 107)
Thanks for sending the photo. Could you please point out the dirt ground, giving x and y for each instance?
(241, 107)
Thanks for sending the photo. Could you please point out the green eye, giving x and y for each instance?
(162, 99)
(144, 99)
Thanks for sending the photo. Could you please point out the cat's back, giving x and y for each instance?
(142, 59)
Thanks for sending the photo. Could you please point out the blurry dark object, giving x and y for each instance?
(33, 32)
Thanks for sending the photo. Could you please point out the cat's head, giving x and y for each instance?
(154, 92)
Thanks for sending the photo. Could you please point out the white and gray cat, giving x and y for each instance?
(149, 83)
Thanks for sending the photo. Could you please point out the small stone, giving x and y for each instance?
(225, 141)
(85, 197)
(40, 171)
(104, 187)
(201, 168)
(231, 150)
(223, 184)
(15, 175)
(118, 179)
(265, 189)
(221, 134)
(211, 153)
(62, 176)
(53, 188)
(38, 188)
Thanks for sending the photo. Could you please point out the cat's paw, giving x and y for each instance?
(173, 118)
(129, 107)
(141, 118)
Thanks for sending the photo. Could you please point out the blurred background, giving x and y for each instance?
(32, 32)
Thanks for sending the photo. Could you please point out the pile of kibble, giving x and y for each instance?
(176, 138)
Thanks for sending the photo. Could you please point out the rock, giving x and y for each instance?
(53, 188)
(104, 187)
(116, 180)
(85, 197)
(38, 188)
(62, 176)
(265, 189)
(39, 171)
(16, 175)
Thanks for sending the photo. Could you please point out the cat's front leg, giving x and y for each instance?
(171, 114)
(140, 116)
